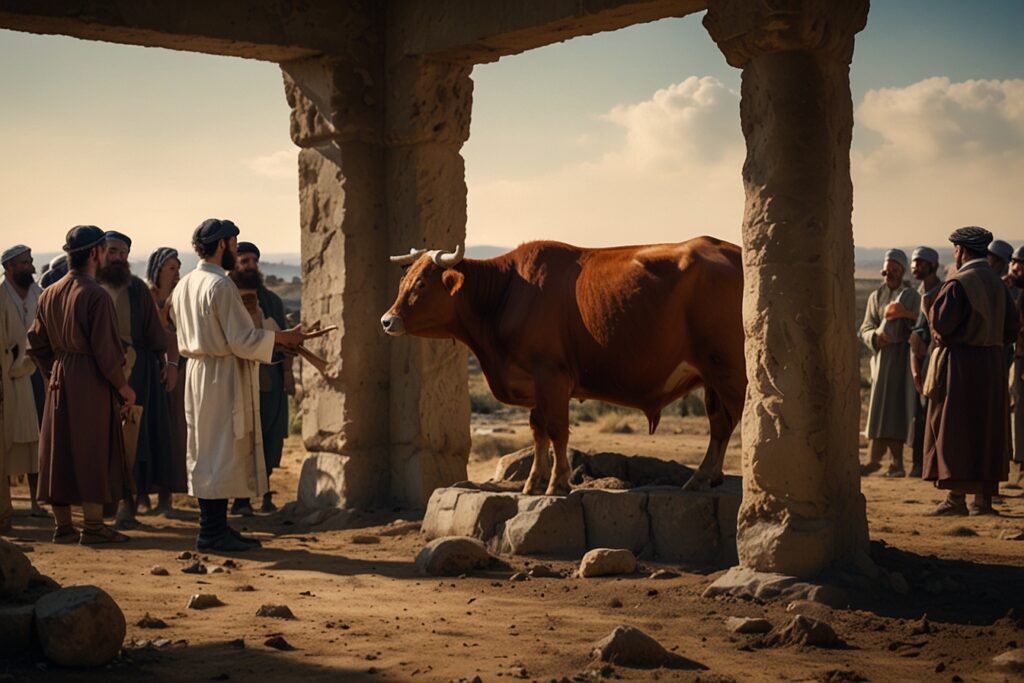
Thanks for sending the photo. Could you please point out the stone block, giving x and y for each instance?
(684, 526)
(16, 628)
(545, 525)
(461, 512)
(514, 466)
(15, 569)
(616, 519)
(451, 556)
(332, 480)
(79, 626)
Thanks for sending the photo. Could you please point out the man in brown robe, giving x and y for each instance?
(972, 319)
(75, 342)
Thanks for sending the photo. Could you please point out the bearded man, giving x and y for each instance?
(972, 319)
(924, 266)
(145, 342)
(1016, 275)
(222, 406)
(75, 342)
(277, 381)
(22, 382)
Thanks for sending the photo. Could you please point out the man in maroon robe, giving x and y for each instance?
(972, 319)
(74, 340)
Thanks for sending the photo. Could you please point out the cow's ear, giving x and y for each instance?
(452, 280)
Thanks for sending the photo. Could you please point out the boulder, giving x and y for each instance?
(1011, 661)
(629, 646)
(275, 612)
(451, 556)
(204, 601)
(750, 584)
(616, 520)
(684, 526)
(16, 628)
(606, 562)
(15, 569)
(514, 466)
(815, 610)
(803, 630)
(461, 512)
(747, 625)
(544, 525)
(79, 626)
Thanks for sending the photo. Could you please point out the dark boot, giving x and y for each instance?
(214, 534)
(242, 507)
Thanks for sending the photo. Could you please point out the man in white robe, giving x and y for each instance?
(888, 319)
(222, 403)
(22, 384)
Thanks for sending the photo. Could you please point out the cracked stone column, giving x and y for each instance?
(337, 119)
(802, 507)
(427, 122)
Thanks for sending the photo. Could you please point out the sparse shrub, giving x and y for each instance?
(614, 423)
(487, 446)
(591, 411)
(693, 404)
(481, 401)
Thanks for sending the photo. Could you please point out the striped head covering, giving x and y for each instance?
(156, 261)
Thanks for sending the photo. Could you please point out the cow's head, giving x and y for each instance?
(424, 305)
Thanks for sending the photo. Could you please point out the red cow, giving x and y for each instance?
(636, 326)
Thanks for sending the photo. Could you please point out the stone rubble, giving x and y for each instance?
(79, 626)
(452, 556)
(607, 562)
(275, 612)
(747, 625)
(204, 601)
(802, 630)
(629, 646)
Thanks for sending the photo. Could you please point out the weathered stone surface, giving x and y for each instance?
(79, 626)
(616, 520)
(808, 608)
(684, 527)
(802, 507)
(456, 512)
(629, 646)
(275, 612)
(803, 630)
(1011, 660)
(748, 584)
(157, 570)
(544, 525)
(747, 625)
(607, 562)
(451, 556)
(329, 480)
(16, 628)
(204, 601)
(15, 569)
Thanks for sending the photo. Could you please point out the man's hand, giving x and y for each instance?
(289, 382)
(170, 377)
(917, 345)
(290, 339)
(897, 310)
(127, 394)
(918, 384)
(881, 341)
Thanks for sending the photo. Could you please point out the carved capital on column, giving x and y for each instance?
(428, 101)
(744, 29)
(333, 99)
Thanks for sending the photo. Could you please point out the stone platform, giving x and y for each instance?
(656, 522)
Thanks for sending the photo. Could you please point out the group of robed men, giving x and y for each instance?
(946, 362)
(100, 357)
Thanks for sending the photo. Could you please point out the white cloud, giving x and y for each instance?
(950, 154)
(675, 176)
(283, 164)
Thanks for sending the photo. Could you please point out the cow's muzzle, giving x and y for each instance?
(392, 325)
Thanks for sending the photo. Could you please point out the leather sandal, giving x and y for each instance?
(66, 534)
(103, 534)
(949, 509)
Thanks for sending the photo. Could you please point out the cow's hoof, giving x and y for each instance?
(699, 481)
(559, 490)
(534, 487)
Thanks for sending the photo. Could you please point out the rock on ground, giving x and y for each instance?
(16, 628)
(204, 601)
(157, 570)
(15, 569)
(79, 626)
(451, 556)
(1011, 660)
(629, 646)
(749, 584)
(275, 612)
(802, 630)
(607, 561)
(747, 625)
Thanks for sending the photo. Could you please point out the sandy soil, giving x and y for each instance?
(362, 613)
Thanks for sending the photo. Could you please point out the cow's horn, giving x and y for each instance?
(406, 259)
(449, 260)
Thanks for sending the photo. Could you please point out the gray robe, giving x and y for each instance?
(891, 408)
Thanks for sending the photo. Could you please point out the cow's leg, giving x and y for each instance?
(552, 397)
(540, 472)
(723, 416)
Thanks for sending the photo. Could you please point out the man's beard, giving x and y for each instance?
(227, 260)
(247, 279)
(24, 280)
(114, 274)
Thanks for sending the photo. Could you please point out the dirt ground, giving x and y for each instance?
(362, 612)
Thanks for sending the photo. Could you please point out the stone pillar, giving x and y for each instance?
(802, 506)
(337, 120)
(427, 123)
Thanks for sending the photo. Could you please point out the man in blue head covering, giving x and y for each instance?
(145, 343)
(972, 319)
(888, 319)
(924, 266)
(224, 349)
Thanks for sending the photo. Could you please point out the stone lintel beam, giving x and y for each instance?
(802, 506)
(474, 32)
(270, 30)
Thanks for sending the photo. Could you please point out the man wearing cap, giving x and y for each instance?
(1016, 277)
(58, 268)
(222, 405)
(972, 319)
(276, 381)
(12, 358)
(145, 343)
(74, 340)
(924, 266)
(888, 319)
(998, 256)
(22, 382)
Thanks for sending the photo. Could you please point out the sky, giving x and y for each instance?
(620, 138)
